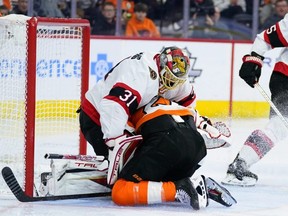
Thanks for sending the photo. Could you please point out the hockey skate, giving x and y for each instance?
(239, 175)
(219, 194)
(186, 193)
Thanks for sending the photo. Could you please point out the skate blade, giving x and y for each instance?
(219, 193)
(231, 180)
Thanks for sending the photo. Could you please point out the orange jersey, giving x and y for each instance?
(126, 5)
(157, 107)
(7, 3)
(145, 28)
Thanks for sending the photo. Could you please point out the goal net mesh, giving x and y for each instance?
(57, 92)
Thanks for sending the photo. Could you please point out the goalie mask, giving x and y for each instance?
(174, 65)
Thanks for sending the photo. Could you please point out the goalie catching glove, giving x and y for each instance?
(215, 135)
(121, 149)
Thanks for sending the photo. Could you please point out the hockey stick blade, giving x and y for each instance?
(16, 189)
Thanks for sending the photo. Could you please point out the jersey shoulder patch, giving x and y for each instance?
(153, 74)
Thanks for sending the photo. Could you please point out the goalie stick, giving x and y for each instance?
(74, 157)
(18, 192)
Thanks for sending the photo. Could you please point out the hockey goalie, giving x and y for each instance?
(127, 88)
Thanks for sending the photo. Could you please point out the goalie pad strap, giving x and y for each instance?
(120, 154)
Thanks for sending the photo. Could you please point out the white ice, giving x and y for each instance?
(268, 198)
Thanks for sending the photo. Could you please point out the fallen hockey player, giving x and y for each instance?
(171, 151)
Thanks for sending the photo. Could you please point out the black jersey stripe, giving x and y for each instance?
(127, 97)
(274, 39)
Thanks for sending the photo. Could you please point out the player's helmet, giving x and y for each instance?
(174, 67)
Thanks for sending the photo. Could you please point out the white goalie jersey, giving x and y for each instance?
(129, 85)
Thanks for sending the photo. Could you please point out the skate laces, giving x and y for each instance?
(186, 193)
(183, 197)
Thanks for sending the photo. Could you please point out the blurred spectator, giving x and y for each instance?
(64, 8)
(280, 9)
(210, 27)
(233, 9)
(249, 6)
(21, 7)
(172, 7)
(105, 23)
(3, 10)
(85, 4)
(139, 25)
(172, 10)
(91, 10)
(266, 10)
(47, 8)
(7, 4)
(127, 7)
(80, 13)
(221, 4)
(155, 8)
(201, 7)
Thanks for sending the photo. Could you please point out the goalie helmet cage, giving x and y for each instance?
(44, 72)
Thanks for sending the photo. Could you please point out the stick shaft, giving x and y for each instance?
(18, 192)
(267, 98)
(74, 157)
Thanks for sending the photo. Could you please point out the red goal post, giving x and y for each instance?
(44, 74)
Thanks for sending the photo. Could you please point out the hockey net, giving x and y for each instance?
(44, 70)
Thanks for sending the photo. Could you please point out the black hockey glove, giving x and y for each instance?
(250, 70)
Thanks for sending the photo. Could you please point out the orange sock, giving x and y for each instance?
(145, 192)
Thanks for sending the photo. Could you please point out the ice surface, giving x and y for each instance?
(269, 197)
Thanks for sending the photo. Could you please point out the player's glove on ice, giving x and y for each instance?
(250, 70)
(215, 135)
(205, 124)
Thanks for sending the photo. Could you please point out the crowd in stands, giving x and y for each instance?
(209, 19)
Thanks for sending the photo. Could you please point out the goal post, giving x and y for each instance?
(44, 74)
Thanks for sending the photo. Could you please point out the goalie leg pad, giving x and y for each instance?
(63, 171)
(119, 156)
